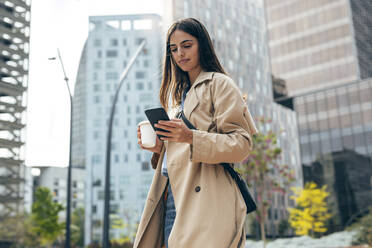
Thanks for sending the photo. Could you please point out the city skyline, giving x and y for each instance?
(47, 134)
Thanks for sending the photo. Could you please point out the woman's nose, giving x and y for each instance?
(180, 52)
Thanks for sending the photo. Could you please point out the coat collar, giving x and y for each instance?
(203, 76)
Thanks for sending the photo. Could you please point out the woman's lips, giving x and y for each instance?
(183, 61)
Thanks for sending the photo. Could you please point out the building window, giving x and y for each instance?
(128, 109)
(138, 157)
(97, 43)
(113, 42)
(128, 86)
(139, 40)
(94, 209)
(124, 42)
(129, 146)
(111, 75)
(145, 52)
(125, 133)
(125, 98)
(111, 53)
(140, 75)
(96, 99)
(125, 63)
(97, 65)
(146, 63)
(101, 195)
(138, 109)
(149, 86)
(96, 87)
(99, 54)
(96, 135)
(128, 122)
(116, 158)
(126, 158)
(145, 166)
(139, 86)
(110, 64)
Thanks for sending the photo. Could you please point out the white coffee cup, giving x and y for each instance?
(148, 135)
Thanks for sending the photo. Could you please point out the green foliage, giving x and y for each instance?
(77, 227)
(311, 212)
(44, 217)
(363, 230)
(263, 172)
(19, 229)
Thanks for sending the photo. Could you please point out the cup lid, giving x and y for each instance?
(143, 122)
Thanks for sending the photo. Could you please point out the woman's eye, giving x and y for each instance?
(174, 50)
(187, 46)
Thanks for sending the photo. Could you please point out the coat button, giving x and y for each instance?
(197, 189)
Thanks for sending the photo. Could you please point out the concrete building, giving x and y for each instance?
(55, 179)
(14, 52)
(111, 43)
(238, 31)
(319, 43)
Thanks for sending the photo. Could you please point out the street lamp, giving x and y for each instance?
(68, 210)
(106, 220)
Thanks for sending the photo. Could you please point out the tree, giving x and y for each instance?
(18, 230)
(77, 227)
(363, 230)
(264, 173)
(44, 217)
(311, 211)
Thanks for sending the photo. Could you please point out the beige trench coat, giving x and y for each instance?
(210, 209)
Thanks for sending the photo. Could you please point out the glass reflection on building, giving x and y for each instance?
(335, 127)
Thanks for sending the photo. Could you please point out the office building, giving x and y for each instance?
(321, 51)
(320, 43)
(238, 32)
(335, 126)
(111, 43)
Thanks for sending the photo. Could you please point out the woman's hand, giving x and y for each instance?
(177, 131)
(156, 148)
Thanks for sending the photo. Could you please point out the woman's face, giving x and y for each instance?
(185, 50)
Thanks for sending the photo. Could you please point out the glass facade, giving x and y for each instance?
(335, 127)
(313, 45)
(362, 22)
(111, 43)
(238, 32)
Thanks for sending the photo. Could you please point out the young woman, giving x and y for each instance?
(193, 202)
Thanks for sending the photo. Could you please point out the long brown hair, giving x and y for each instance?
(174, 79)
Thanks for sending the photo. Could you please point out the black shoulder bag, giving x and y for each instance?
(243, 187)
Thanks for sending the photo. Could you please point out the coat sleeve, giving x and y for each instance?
(233, 141)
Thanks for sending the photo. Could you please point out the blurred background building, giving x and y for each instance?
(14, 53)
(54, 178)
(336, 145)
(321, 51)
(238, 32)
(320, 43)
(111, 43)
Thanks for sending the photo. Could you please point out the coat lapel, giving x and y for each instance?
(192, 100)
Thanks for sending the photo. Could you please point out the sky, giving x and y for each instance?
(61, 24)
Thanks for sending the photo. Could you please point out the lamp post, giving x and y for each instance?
(106, 220)
(68, 208)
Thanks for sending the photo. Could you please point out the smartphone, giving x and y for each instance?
(155, 115)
